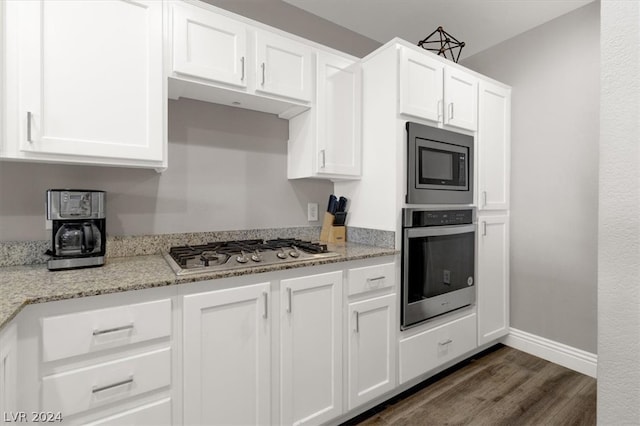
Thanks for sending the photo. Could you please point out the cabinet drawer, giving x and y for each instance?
(371, 278)
(154, 414)
(79, 390)
(90, 331)
(428, 350)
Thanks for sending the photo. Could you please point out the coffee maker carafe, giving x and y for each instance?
(78, 222)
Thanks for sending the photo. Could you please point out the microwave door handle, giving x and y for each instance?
(439, 230)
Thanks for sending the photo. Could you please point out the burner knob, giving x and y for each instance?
(294, 253)
(256, 256)
(281, 254)
(242, 258)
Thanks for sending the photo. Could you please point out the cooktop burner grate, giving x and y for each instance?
(223, 255)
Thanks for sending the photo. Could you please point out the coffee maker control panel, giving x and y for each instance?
(75, 204)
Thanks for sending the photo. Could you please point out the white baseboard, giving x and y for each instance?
(561, 354)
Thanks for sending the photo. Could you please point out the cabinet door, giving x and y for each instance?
(311, 348)
(90, 78)
(339, 117)
(283, 67)
(227, 356)
(420, 85)
(8, 370)
(493, 278)
(372, 350)
(460, 99)
(494, 136)
(209, 46)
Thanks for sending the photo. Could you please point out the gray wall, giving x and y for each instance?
(619, 230)
(227, 166)
(227, 170)
(554, 71)
(289, 18)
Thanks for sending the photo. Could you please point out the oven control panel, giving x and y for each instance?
(416, 217)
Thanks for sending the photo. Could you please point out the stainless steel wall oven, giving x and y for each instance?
(438, 266)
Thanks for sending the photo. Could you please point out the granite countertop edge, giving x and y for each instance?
(32, 284)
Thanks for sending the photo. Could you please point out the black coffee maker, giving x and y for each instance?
(78, 222)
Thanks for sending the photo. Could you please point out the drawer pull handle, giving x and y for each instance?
(242, 77)
(29, 118)
(263, 79)
(97, 389)
(112, 330)
(265, 298)
(382, 277)
(446, 342)
(289, 307)
(357, 322)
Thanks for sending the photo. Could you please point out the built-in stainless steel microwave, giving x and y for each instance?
(439, 166)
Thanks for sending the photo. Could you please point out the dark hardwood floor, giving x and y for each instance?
(502, 386)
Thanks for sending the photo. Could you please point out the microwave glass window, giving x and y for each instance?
(436, 165)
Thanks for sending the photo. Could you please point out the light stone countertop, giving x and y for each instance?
(24, 285)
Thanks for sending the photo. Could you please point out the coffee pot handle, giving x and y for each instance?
(87, 235)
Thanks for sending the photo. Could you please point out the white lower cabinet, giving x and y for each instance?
(82, 389)
(372, 338)
(493, 278)
(311, 348)
(154, 414)
(430, 349)
(227, 356)
(8, 369)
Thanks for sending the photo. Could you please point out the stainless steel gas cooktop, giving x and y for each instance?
(226, 255)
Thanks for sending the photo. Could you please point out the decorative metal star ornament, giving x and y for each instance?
(443, 44)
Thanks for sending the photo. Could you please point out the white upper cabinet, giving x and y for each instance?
(283, 66)
(227, 59)
(460, 99)
(421, 82)
(209, 46)
(86, 82)
(434, 91)
(494, 136)
(326, 141)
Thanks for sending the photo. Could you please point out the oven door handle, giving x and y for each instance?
(431, 231)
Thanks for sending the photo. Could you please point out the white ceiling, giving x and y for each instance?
(479, 23)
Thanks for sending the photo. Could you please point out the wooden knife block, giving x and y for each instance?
(331, 233)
